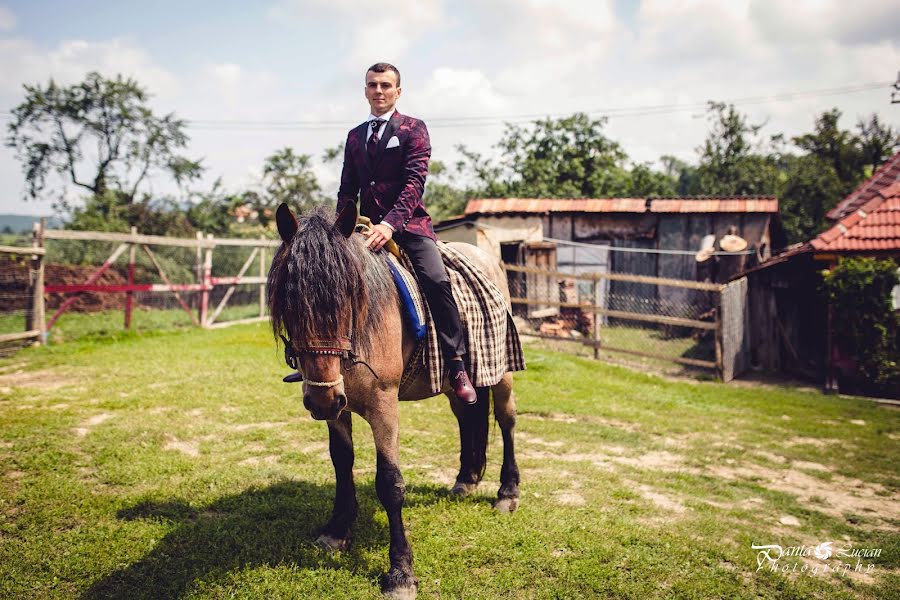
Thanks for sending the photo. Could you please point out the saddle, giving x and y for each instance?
(492, 339)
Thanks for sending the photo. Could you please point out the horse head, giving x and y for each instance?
(317, 301)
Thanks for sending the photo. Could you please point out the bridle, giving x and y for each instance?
(341, 346)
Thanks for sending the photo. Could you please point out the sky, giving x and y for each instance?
(233, 68)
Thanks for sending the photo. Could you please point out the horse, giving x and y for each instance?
(336, 302)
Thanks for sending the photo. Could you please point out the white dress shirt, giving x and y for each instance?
(386, 116)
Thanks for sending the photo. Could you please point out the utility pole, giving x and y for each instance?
(895, 95)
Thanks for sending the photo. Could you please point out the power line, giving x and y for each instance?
(495, 120)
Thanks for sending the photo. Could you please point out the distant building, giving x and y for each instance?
(789, 316)
(517, 230)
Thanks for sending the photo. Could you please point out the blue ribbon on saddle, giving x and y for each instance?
(415, 320)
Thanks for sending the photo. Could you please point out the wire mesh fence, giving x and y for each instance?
(636, 318)
(16, 299)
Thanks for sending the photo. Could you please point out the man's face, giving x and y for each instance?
(382, 91)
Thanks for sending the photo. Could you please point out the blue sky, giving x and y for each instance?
(303, 60)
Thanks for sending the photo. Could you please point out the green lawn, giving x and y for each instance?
(176, 464)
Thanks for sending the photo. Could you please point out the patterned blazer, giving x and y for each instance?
(390, 187)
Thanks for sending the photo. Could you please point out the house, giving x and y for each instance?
(789, 316)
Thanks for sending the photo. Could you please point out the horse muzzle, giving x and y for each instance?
(325, 411)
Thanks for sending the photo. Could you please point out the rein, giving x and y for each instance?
(335, 347)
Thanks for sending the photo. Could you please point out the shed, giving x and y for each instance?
(788, 315)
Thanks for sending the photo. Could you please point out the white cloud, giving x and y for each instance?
(22, 61)
(861, 21)
(501, 58)
(7, 20)
(372, 31)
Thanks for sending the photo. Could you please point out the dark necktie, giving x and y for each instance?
(372, 145)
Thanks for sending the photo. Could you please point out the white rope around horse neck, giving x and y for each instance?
(326, 384)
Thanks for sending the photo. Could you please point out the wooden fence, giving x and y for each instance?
(38, 326)
(727, 319)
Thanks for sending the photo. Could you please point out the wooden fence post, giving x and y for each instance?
(198, 268)
(262, 273)
(129, 295)
(38, 319)
(207, 283)
(720, 365)
(597, 317)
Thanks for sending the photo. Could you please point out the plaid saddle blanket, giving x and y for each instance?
(491, 336)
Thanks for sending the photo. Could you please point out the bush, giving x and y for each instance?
(865, 325)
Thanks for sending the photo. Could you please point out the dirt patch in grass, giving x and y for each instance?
(535, 440)
(660, 500)
(261, 425)
(594, 420)
(45, 380)
(271, 459)
(837, 497)
(85, 427)
(807, 441)
(185, 447)
(612, 456)
(569, 498)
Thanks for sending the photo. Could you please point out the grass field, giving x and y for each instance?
(176, 464)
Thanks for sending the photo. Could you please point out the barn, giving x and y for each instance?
(657, 237)
(631, 235)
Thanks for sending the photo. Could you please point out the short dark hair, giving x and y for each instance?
(383, 68)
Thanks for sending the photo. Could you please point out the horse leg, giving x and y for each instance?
(399, 582)
(336, 533)
(505, 413)
(473, 432)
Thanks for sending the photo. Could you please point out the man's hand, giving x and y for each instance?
(378, 236)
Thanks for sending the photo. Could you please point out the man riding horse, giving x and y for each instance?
(385, 166)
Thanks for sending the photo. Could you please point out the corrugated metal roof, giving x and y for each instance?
(873, 226)
(750, 204)
(883, 177)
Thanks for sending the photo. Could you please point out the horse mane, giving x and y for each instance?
(322, 285)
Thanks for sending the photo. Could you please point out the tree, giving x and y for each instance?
(570, 157)
(878, 142)
(287, 177)
(729, 163)
(834, 162)
(442, 198)
(98, 135)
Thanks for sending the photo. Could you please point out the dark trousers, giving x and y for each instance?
(435, 284)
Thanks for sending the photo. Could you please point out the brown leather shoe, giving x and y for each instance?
(462, 387)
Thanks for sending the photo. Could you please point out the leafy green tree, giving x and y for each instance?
(731, 159)
(834, 161)
(569, 157)
(868, 330)
(99, 136)
(682, 174)
(441, 197)
(287, 177)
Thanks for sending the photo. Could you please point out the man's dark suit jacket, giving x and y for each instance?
(390, 187)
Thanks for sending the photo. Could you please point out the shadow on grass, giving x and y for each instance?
(271, 526)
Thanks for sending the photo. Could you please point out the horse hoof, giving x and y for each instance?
(398, 586)
(462, 490)
(506, 505)
(332, 544)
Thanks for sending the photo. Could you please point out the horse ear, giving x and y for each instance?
(346, 220)
(286, 221)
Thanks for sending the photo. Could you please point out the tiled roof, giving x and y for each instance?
(873, 226)
(747, 204)
(884, 176)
